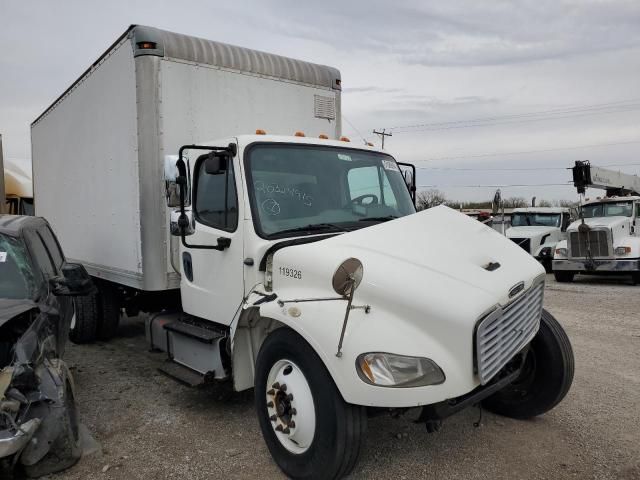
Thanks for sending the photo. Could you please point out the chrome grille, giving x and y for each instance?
(596, 241)
(506, 331)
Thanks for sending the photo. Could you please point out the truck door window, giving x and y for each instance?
(211, 206)
(52, 246)
(40, 253)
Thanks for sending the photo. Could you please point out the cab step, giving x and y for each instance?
(183, 374)
(202, 334)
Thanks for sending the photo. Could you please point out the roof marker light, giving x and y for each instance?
(299, 134)
(323, 136)
(146, 45)
(344, 139)
(369, 144)
(260, 132)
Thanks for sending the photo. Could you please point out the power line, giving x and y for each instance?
(499, 185)
(521, 169)
(526, 152)
(356, 130)
(584, 108)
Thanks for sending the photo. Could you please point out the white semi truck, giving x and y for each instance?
(294, 264)
(606, 238)
(538, 229)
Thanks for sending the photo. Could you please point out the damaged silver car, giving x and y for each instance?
(38, 420)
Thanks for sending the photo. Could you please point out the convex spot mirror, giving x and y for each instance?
(347, 277)
(171, 185)
(177, 219)
(74, 281)
(215, 163)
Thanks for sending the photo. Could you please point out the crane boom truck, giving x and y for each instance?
(606, 238)
(294, 264)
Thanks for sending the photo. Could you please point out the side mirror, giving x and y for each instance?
(172, 184)
(408, 172)
(74, 281)
(177, 219)
(215, 163)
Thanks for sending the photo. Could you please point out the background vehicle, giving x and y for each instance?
(606, 239)
(38, 422)
(300, 261)
(18, 189)
(538, 229)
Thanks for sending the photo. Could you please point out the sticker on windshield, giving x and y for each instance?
(390, 165)
(3, 257)
(346, 158)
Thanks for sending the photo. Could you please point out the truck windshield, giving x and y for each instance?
(608, 209)
(306, 189)
(533, 219)
(16, 275)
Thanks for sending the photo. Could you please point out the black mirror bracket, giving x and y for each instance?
(230, 151)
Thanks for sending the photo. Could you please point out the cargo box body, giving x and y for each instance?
(98, 150)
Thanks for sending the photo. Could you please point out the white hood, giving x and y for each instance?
(530, 232)
(607, 222)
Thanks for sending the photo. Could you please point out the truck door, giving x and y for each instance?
(212, 285)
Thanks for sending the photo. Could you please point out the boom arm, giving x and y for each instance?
(615, 183)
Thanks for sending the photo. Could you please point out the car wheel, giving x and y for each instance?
(66, 449)
(311, 432)
(564, 277)
(546, 376)
(85, 328)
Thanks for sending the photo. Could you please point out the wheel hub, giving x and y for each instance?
(290, 406)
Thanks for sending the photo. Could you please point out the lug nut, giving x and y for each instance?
(276, 385)
(292, 424)
(279, 428)
(290, 397)
(269, 404)
(283, 387)
(286, 430)
(293, 411)
(271, 392)
(273, 418)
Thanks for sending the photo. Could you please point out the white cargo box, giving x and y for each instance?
(98, 150)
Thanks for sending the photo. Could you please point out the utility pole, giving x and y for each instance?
(382, 135)
(3, 199)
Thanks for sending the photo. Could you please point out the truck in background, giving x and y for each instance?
(18, 188)
(538, 229)
(606, 238)
(291, 263)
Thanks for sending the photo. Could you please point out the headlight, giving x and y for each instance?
(389, 370)
(561, 252)
(622, 251)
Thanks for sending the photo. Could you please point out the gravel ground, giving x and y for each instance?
(148, 426)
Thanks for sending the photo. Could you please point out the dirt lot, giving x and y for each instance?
(150, 427)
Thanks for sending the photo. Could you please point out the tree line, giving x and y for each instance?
(432, 198)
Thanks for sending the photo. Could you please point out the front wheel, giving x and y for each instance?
(547, 374)
(311, 432)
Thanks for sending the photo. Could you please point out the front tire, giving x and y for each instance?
(108, 311)
(311, 432)
(546, 375)
(86, 323)
(564, 277)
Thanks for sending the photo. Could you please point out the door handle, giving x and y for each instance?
(223, 243)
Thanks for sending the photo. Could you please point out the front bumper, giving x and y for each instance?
(595, 266)
(11, 444)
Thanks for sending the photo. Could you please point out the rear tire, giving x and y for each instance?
(109, 311)
(338, 431)
(564, 277)
(66, 449)
(635, 278)
(86, 324)
(546, 375)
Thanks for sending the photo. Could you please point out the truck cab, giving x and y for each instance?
(606, 240)
(538, 229)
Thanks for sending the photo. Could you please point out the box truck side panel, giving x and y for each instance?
(85, 164)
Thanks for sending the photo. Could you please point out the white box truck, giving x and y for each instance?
(294, 264)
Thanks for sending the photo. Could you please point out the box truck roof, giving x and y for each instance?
(162, 43)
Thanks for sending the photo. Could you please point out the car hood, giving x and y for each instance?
(529, 232)
(10, 308)
(609, 222)
(438, 248)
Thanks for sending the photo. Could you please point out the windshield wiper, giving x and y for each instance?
(378, 219)
(315, 227)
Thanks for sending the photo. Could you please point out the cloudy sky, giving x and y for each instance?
(475, 93)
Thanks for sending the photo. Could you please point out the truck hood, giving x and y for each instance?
(433, 249)
(608, 222)
(529, 232)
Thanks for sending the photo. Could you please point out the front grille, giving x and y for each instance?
(525, 243)
(504, 332)
(594, 241)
